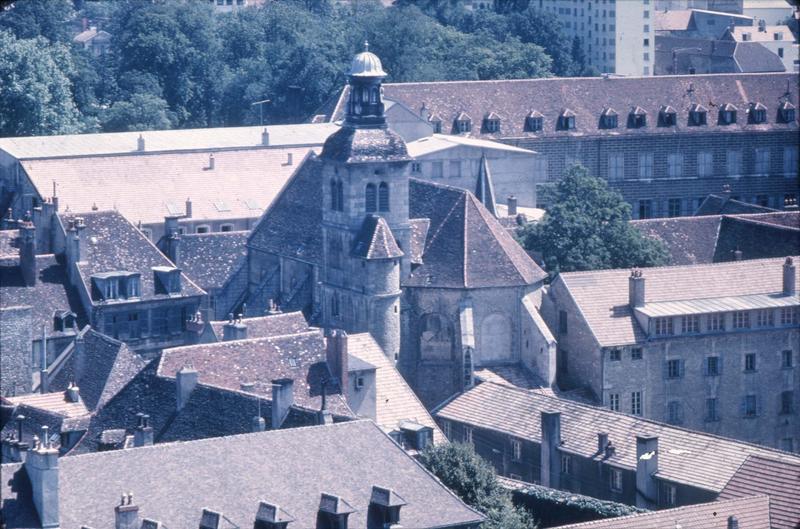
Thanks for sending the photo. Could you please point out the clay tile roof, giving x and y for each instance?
(375, 240)
(210, 259)
(778, 479)
(265, 326)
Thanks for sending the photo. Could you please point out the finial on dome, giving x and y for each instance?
(366, 45)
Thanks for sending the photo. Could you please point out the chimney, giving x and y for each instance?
(325, 417)
(789, 277)
(646, 468)
(602, 442)
(79, 355)
(80, 250)
(737, 255)
(636, 289)
(549, 451)
(211, 161)
(27, 251)
(424, 113)
(258, 424)
(282, 400)
(270, 516)
(14, 450)
(265, 137)
(289, 159)
(185, 381)
(336, 356)
(235, 329)
(173, 239)
(126, 514)
(41, 466)
(733, 522)
(143, 433)
(512, 206)
(73, 393)
(188, 212)
(140, 143)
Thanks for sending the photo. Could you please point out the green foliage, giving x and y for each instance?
(475, 482)
(35, 91)
(588, 228)
(39, 18)
(142, 112)
(558, 507)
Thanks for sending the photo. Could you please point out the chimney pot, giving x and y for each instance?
(737, 255)
(259, 424)
(186, 380)
(282, 400)
(512, 206)
(337, 356)
(235, 329)
(549, 453)
(789, 277)
(289, 159)
(41, 465)
(27, 252)
(126, 514)
(211, 161)
(140, 143)
(143, 433)
(265, 137)
(602, 442)
(733, 522)
(73, 393)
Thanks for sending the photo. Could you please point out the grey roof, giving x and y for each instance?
(484, 189)
(173, 483)
(724, 205)
(375, 240)
(752, 57)
(685, 456)
(602, 296)
(114, 244)
(720, 304)
(356, 145)
(210, 259)
(264, 326)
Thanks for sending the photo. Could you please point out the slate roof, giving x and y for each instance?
(375, 240)
(51, 292)
(210, 259)
(395, 401)
(466, 247)
(300, 357)
(779, 480)
(602, 295)
(56, 403)
(700, 53)
(751, 512)
(419, 234)
(517, 376)
(227, 476)
(264, 326)
(723, 205)
(672, 20)
(356, 145)
(108, 366)
(684, 456)
(688, 240)
(586, 97)
(754, 57)
(241, 185)
(114, 244)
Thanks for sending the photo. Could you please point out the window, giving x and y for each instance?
(226, 227)
(608, 119)
(616, 166)
(712, 410)
(337, 195)
(750, 362)
(615, 480)
(669, 495)
(613, 401)
(645, 209)
(787, 402)
(675, 165)
(674, 208)
(690, 324)
(416, 167)
(786, 359)
(757, 113)
(712, 366)
(674, 368)
(566, 121)
(705, 164)
(716, 322)
(202, 229)
(789, 316)
(335, 253)
(467, 434)
(762, 200)
(516, 449)
(663, 326)
(383, 197)
(646, 28)
(463, 125)
(727, 115)
(646, 43)
(636, 353)
(645, 165)
(762, 161)
(437, 170)
(667, 116)
(455, 169)
(563, 325)
(615, 355)
(566, 464)
(674, 414)
(741, 319)
(698, 116)
(446, 428)
(335, 311)
(734, 162)
(371, 198)
(750, 406)
(765, 318)
(533, 122)
(636, 403)
(790, 160)
(492, 125)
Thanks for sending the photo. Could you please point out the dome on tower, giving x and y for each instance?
(366, 64)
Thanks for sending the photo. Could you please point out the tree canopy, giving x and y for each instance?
(588, 228)
(475, 482)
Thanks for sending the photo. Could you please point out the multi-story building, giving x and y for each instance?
(710, 347)
(617, 37)
(778, 39)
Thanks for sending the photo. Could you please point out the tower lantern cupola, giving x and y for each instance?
(365, 106)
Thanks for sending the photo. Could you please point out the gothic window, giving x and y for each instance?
(371, 196)
(340, 195)
(383, 197)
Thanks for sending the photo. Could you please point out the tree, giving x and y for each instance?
(142, 112)
(588, 228)
(39, 18)
(35, 91)
(468, 475)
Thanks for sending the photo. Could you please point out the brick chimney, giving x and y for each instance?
(646, 468)
(789, 277)
(336, 355)
(27, 251)
(126, 514)
(512, 206)
(41, 466)
(636, 289)
(235, 329)
(549, 452)
(143, 433)
(282, 400)
(185, 382)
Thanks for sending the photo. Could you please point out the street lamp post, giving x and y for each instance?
(261, 108)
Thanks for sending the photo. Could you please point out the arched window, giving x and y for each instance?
(371, 198)
(383, 197)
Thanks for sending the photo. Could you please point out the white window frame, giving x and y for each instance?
(733, 163)
(616, 166)
(437, 169)
(613, 401)
(516, 449)
(762, 161)
(705, 164)
(468, 439)
(615, 479)
(675, 165)
(790, 157)
(636, 403)
(646, 162)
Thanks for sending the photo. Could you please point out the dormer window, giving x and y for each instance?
(667, 116)
(637, 118)
(534, 121)
(757, 113)
(786, 112)
(463, 123)
(333, 512)
(167, 279)
(698, 115)
(608, 118)
(110, 286)
(64, 320)
(727, 114)
(566, 120)
(436, 122)
(491, 123)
